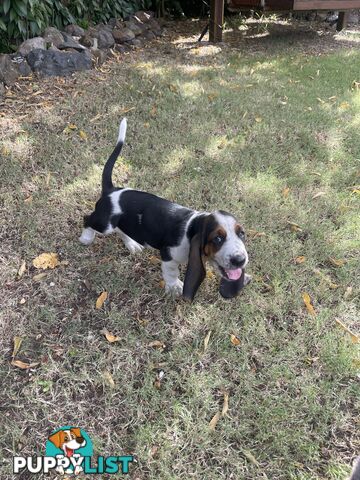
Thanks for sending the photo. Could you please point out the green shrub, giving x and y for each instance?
(22, 19)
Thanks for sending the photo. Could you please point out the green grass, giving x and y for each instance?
(229, 130)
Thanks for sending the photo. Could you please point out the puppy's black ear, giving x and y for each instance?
(195, 272)
(232, 288)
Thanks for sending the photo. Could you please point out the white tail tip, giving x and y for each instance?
(122, 131)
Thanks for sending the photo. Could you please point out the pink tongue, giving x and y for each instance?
(234, 274)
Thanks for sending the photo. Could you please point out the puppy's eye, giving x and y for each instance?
(241, 234)
(218, 240)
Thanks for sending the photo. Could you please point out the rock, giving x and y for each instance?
(122, 47)
(31, 44)
(105, 39)
(155, 27)
(98, 56)
(112, 22)
(123, 35)
(53, 36)
(135, 42)
(103, 26)
(137, 29)
(21, 64)
(74, 30)
(148, 35)
(69, 42)
(142, 17)
(8, 71)
(52, 62)
(92, 32)
(87, 40)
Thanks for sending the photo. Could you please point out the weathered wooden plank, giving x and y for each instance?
(216, 20)
(279, 5)
(342, 21)
(326, 4)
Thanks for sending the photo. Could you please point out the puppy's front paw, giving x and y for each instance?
(133, 246)
(175, 289)
(87, 236)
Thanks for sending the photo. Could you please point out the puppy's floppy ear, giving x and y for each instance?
(57, 438)
(195, 272)
(76, 432)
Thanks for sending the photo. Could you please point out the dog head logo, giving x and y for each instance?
(69, 445)
(68, 440)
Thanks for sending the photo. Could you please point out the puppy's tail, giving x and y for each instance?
(109, 165)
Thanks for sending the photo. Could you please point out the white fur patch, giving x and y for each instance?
(173, 284)
(180, 253)
(233, 245)
(87, 236)
(122, 131)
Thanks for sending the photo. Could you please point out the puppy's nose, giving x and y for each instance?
(80, 439)
(238, 260)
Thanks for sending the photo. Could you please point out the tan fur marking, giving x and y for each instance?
(58, 438)
(210, 249)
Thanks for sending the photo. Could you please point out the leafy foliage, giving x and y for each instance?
(21, 19)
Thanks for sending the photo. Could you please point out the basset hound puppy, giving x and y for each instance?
(179, 233)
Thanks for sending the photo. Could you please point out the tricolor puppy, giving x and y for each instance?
(179, 233)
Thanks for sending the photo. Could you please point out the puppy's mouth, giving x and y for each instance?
(69, 451)
(229, 273)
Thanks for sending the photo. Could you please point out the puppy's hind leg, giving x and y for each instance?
(130, 244)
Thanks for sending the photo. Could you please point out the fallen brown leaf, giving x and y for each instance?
(109, 379)
(251, 457)
(110, 337)
(354, 338)
(23, 365)
(294, 227)
(154, 260)
(213, 422)
(82, 135)
(234, 340)
(17, 345)
(156, 344)
(21, 270)
(226, 404)
(300, 259)
(39, 277)
(285, 192)
(308, 305)
(46, 260)
(348, 292)
(206, 340)
(336, 262)
(317, 195)
(100, 300)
